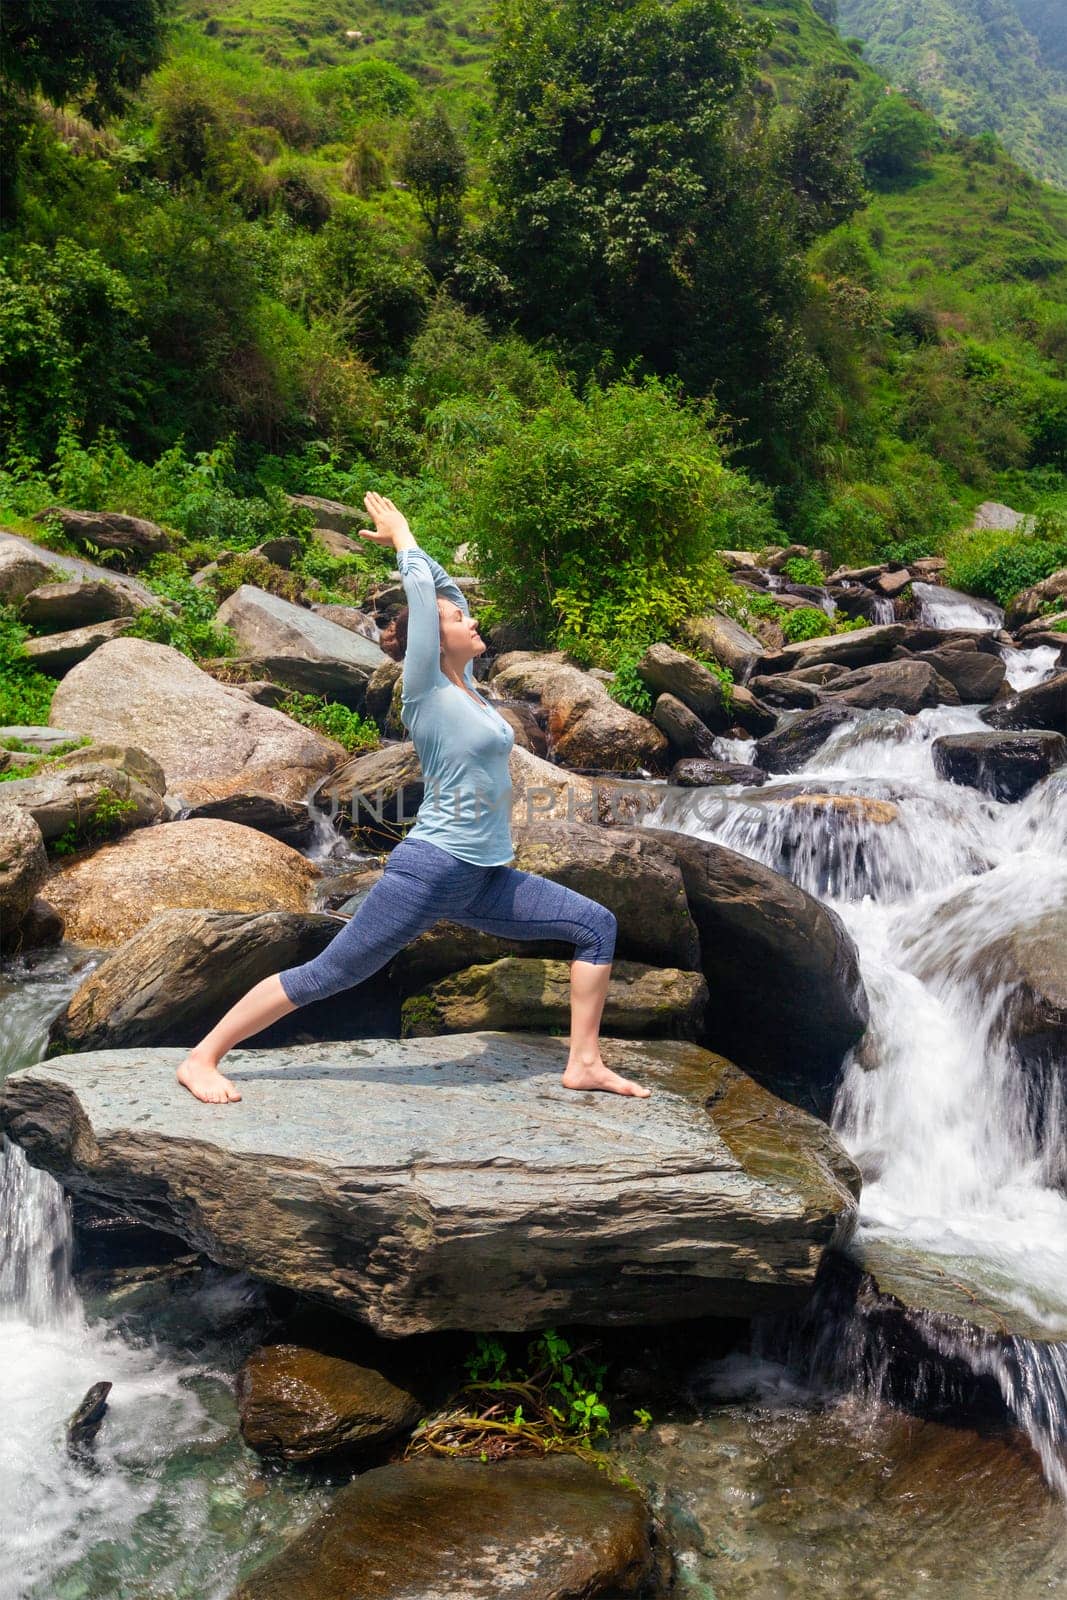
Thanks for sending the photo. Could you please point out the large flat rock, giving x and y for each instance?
(453, 1182)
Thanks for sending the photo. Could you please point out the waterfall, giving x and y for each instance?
(938, 607)
(959, 1136)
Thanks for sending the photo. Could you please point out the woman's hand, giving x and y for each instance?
(389, 523)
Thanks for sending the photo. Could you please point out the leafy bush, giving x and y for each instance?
(598, 519)
(805, 622)
(186, 620)
(998, 565)
(25, 693)
(333, 719)
(804, 569)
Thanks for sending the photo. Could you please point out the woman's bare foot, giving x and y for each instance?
(595, 1075)
(202, 1077)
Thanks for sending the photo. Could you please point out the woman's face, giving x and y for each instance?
(460, 640)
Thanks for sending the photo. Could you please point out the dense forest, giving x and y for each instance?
(603, 288)
(997, 66)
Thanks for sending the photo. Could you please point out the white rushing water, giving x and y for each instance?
(169, 1501)
(962, 1148)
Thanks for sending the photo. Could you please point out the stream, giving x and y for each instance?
(802, 1465)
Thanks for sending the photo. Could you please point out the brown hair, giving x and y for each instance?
(393, 639)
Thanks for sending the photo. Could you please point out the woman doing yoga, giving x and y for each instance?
(454, 862)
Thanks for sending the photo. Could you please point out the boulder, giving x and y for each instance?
(23, 865)
(1042, 706)
(665, 670)
(726, 642)
(355, 620)
(586, 727)
(858, 648)
(993, 514)
(893, 686)
(555, 1528)
(293, 646)
(107, 896)
(110, 530)
(776, 557)
(57, 607)
(171, 981)
(282, 551)
(786, 997)
(687, 733)
(210, 739)
(975, 675)
(699, 774)
(749, 712)
(425, 1184)
(1042, 624)
(333, 514)
(659, 1002)
(891, 584)
(302, 1404)
(785, 693)
(43, 740)
(1030, 603)
(793, 744)
(1005, 765)
(56, 653)
(284, 819)
(21, 559)
(69, 790)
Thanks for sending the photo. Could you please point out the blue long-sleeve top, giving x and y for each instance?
(462, 743)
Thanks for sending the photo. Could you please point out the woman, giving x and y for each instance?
(454, 862)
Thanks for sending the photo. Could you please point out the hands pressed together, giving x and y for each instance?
(390, 525)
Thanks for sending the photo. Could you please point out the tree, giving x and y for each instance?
(93, 52)
(434, 166)
(894, 140)
(814, 152)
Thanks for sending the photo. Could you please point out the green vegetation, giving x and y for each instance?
(550, 1401)
(998, 565)
(334, 720)
(25, 693)
(603, 289)
(103, 821)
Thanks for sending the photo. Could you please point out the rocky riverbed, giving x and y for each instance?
(824, 1262)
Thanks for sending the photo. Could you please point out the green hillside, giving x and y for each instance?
(436, 249)
(997, 66)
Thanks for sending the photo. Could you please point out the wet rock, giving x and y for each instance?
(84, 1425)
(687, 733)
(110, 530)
(698, 774)
(56, 607)
(453, 1182)
(551, 1529)
(282, 819)
(975, 675)
(785, 692)
(171, 981)
(1043, 706)
(107, 896)
(792, 745)
(891, 584)
(211, 740)
(893, 685)
(302, 1404)
(42, 925)
(23, 866)
(786, 997)
(642, 1001)
(860, 648)
(1040, 625)
(749, 712)
(1005, 765)
(726, 642)
(296, 647)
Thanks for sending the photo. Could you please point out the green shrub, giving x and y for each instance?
(805, 622)
(333, 719)
(598, 519)
(998, 565)
(186, 620)
(803, 569)
(25, 693)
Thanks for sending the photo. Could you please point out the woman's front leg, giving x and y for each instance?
(585, 1068)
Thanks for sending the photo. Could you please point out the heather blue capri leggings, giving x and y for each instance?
(423, 884)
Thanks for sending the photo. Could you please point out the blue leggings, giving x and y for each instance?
(423, 884)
